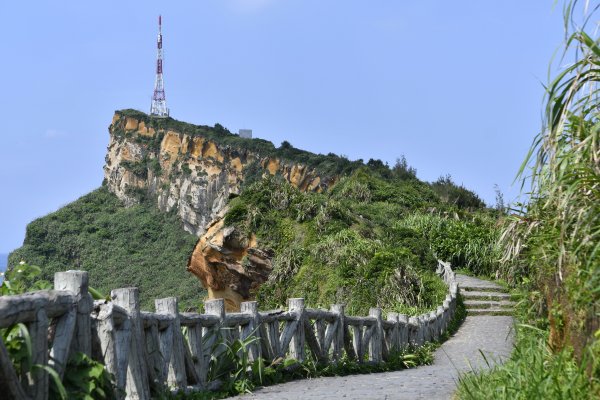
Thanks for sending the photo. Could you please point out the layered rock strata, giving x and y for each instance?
(187, 172)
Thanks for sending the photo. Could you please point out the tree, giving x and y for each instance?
(402, 170)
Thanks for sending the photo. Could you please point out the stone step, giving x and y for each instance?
(490, 311)
(480, 304)
(495, 296)
(484, 288)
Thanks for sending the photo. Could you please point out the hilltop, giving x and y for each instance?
(173, 190)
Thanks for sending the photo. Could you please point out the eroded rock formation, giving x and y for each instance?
(229, 265)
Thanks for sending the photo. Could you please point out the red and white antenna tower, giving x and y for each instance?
(159, 103)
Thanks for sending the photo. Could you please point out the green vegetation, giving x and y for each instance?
(347, 245)
(466, 240)
(141, 168)
(119, 247)
(450, 193)
(551, 247)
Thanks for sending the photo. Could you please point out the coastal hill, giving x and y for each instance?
(249, 219)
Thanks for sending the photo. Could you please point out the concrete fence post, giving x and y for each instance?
(403, 331)
(433, 326)
(216, 307)
(393, 340)
(413, 331)
(252, 329)
(176, 376)
(375, 344)
(297, 343)
(38, 379)
(338, 340)
(137, 376)
(440, 327)
(77, 282)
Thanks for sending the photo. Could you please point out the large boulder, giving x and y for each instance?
(229, 264)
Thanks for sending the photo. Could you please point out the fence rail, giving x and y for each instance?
(150, 349)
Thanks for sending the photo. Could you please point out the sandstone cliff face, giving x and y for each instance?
(190, 173)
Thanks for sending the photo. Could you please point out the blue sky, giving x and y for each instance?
(455, 86)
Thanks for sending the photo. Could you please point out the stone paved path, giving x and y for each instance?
(491, 335)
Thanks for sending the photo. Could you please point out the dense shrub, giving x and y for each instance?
(467, 242)
(339, 247)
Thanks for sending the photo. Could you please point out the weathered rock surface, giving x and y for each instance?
(229, 265)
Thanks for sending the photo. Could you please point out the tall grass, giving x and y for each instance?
(555, 241)
(551, 247)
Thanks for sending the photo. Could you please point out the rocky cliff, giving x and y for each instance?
(195, 170)
(191, 169)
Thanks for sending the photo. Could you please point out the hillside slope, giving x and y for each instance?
(119, 247)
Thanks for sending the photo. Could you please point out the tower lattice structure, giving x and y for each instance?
(159, 103)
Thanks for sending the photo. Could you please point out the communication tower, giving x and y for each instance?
(159, 103)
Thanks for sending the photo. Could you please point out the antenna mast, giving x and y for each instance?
(159, 104)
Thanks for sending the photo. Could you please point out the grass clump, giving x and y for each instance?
(451, 193)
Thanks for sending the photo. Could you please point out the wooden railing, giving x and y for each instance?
(151, 349)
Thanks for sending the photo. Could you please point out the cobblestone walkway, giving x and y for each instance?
(492, 335)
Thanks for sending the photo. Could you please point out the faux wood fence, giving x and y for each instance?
(144, 349)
